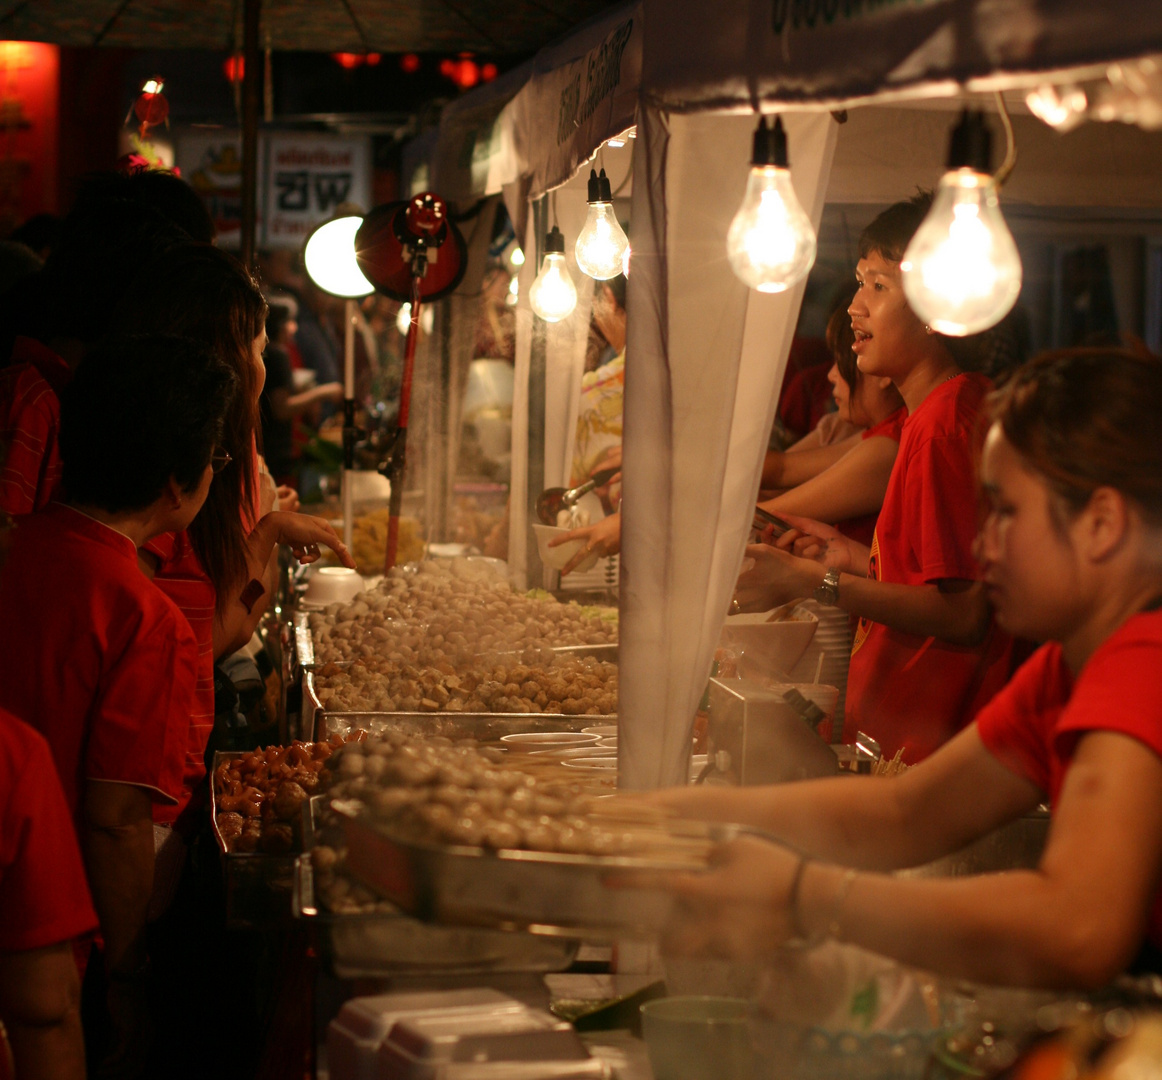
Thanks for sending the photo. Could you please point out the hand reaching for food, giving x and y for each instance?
(604, 538)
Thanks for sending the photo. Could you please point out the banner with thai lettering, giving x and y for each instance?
(306, 178)
(731, 54)
(581, 93)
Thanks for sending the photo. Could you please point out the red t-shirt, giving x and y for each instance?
(93, 656)
(30, 424)
(909, 692)
(1034, 724)
(862, 529)
(44, 896)
(183, 579)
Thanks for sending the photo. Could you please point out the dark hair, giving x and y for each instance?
(1087, 418)
(39, 232)
(169, 195)
(138, 412)
(890, 232)
(204, 293)
(617, 286)
(100, 252)
(840, 337)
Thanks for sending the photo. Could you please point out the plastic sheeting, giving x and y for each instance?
(704, 362)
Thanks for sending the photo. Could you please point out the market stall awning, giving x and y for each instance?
(498, 27)
(731, 55)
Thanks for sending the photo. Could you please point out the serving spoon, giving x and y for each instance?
(552, 501)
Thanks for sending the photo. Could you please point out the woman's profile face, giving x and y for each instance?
(887, 331)
(1027, 559)
(257, 348)
(841, 394)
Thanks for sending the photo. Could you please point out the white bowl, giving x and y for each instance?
(541, 740)
(333, 584)
(778, 645)
(608, 762)
(602, 730)
(564, 753)
(556, 557)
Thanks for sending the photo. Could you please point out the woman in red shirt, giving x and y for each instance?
(1071, 554)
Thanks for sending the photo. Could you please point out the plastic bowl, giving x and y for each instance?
(556, 557)
(777, 645)
(603, 730)
(542, 740)
(607, 761)
(333, 584)
(698, 1038)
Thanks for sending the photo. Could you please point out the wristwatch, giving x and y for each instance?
(828, 592)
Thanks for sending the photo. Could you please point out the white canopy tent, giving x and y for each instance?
(705, 354)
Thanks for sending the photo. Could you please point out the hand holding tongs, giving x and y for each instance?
(552, 501)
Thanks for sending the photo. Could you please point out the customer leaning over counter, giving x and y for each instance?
(92, 654)
(1071, 554)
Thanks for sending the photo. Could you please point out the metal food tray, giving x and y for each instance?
(257, 884)
(378, 944)
(541, 892)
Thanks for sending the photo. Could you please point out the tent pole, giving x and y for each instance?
(251, 102)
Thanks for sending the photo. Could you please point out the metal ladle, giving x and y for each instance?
(552, 501)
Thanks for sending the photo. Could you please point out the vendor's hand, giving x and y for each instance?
(810, 539)
(332, 391)
(738, 909)
(773, 577)
(303, 534)
(604, 538)
(288, 499)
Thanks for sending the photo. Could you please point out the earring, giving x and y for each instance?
(927, 329)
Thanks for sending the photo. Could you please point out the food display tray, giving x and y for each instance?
(382, 944)
(257, 884)
(540, 892)
(323, 723)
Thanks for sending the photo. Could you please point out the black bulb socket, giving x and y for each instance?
(770, 144)
(554, 242)
(970, 145)
(599, 189)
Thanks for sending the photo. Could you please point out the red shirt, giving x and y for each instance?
(44, 896)
(93, 656)
(907, 691)
(862, 529)
(30, 424)
(1034, 724)
(183, 579)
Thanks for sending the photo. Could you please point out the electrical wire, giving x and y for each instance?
(1010, 161)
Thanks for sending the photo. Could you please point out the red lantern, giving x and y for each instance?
(151, 107)
(488, 72)
(410, 63)
(347, 60)
(234, 68)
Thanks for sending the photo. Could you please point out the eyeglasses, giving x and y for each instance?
(219, 459)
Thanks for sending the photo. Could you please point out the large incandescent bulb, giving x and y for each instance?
(961, 270)
(771, 244)
(329, 257)
(553, 295)
(601, 243)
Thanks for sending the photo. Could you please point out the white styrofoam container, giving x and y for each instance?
(354, 1036)
(439, 1047)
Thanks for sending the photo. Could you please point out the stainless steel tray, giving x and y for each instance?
(322, 724)
(541, 892)
(379, 944)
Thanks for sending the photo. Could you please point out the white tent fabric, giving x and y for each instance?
(731, 54)
(704, 362)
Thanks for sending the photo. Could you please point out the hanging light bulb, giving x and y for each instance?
(601, 243)
(553, 295)
(771, 244)
(961, 271)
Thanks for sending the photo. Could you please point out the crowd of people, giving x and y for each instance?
(142, 549)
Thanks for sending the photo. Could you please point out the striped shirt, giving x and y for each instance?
(30, 423)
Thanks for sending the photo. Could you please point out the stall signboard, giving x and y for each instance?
(306, 178)
(211, 161)
(585, 91)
